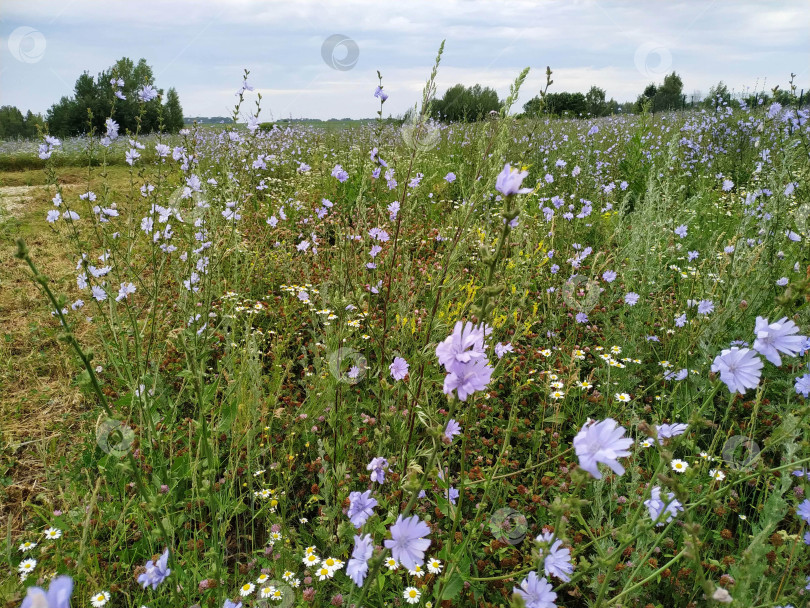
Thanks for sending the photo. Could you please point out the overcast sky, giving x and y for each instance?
(201, 47)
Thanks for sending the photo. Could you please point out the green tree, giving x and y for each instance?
(612, 107)
(595, 101)
(783, 97)
(12, 123)
(97, 96)
(33, 122)
(646, 97)
(571, 105)
(172, 112)
(669, 95)
(718, 95)
(533, 107)
(60, 118)
(460, 103)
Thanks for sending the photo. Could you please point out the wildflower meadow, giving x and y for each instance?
(509, 362)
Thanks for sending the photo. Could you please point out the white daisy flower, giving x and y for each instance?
(27, 565)
(266, 592)
(434, 566)
(679, 466)
(246, 589)
(391, 563)
(417, 571)
(53, 533)
(411, 595)
(27, 546)
(324, 573)
(332, 563)
(717, 474)
(100, 598)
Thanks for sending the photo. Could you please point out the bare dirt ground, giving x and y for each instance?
(13, 199)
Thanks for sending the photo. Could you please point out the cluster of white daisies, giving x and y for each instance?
(27, 565)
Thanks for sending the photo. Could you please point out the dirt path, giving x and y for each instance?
(15, 199)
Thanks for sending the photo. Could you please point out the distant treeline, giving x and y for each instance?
(125, 92)
(460, 103)
(15, 125)
(208, 120)
(117, 91)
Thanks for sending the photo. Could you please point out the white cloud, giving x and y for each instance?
(201, 47)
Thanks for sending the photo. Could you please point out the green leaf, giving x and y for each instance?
(453, 587)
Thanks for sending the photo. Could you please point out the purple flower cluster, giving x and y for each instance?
(536, 592)
(657, 507)
(57, 596)
(377, 467)
(357, 569)
(556, 558)
(773, 338)
(741, 368)
(399, 368)
(509, 181)
(601, 442)
(463, 357)
(156, 572)
(340, 174)
(452, 429)
(361, 507)
(407, 543)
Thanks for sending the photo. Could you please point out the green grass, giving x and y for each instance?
(259, 382)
